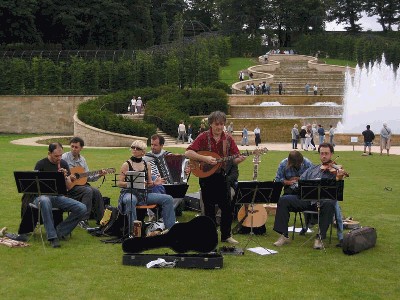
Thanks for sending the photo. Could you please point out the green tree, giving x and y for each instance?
(347, 12)
(388, 12)
(17, 22)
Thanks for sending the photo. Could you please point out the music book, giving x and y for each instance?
(137, 179)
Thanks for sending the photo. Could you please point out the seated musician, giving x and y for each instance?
(292, 203)
(158, 163)
(87, 194)
(130, 197)
(54, 163)
(289, 171)
(214, 188)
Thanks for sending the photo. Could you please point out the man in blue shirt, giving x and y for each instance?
(290, 170)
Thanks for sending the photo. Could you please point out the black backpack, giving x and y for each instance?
(112, 224)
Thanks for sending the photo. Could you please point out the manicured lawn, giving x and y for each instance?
(230, 73)
(340, 62)
(85, 268)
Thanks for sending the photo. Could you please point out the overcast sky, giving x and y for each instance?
(367, 23)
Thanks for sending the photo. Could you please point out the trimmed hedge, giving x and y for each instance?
(166, 106)
(363, 48)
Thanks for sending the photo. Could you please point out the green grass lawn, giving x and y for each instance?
(340, 62)
(230, 73)
(85, 268)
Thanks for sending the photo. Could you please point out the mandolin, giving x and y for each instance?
(201, 169)
(81, 175)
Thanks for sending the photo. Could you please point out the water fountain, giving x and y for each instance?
(371, 97)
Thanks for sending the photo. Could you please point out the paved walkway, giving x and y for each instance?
(32, 141)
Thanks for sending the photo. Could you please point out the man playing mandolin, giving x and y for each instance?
(85, 193)
(214, 188)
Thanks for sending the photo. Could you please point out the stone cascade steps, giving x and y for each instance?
(169, 140)
(295, 74)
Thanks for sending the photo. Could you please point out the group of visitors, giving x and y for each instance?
(135, 105)
(385, 143)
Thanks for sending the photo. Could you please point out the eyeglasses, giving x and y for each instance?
(136, 148)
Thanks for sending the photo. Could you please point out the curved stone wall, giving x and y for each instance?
(101, 138)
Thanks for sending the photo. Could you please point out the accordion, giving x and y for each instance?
(172, 167)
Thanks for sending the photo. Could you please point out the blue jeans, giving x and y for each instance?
(77, 211)
(294, 143)
(321, 139)
(125, 204)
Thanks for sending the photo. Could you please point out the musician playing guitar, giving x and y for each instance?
(87, 194)
(215, 188)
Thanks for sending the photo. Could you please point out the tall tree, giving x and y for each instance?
(388, 12)
(347, 12)
(17, 22)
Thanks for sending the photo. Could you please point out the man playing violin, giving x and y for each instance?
(215, 189)
(292, 203)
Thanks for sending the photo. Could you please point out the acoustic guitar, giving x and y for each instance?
(252, 215)
(81, 175)
(199, 234)
(201, 169)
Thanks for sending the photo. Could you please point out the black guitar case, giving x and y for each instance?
(199, 235)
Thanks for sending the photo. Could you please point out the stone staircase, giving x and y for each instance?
(169, 140)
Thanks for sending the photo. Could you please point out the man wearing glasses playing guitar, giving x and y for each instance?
(217, 155)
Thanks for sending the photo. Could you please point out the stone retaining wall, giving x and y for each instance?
(39, 114)
(101, 138)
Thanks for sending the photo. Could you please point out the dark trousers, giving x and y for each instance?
(214, 190)
(91, 197)
(292, 203)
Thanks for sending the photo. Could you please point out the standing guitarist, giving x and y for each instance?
(215, 188)
(87, 194)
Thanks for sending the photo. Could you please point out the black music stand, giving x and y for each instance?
(255, 192)
(40, 183)
(321, 190)
(137, 180)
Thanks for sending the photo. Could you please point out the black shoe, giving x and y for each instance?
(339, 245)
(55, 243)
(83, 224)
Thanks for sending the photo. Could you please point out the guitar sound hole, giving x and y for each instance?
(207, 167)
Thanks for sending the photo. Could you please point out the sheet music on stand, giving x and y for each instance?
(261, 191)
(250, 193)
(40, 183)
(321, 189)
(137, 179)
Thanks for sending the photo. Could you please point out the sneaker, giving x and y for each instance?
(230, 240)
(84, 224)
(282, 241)
(318, 244)
(55, 243)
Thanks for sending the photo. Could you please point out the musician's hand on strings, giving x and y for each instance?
(210, 160)
(291, 181)
(239, 159)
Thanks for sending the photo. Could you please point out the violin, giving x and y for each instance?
(332, 167)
